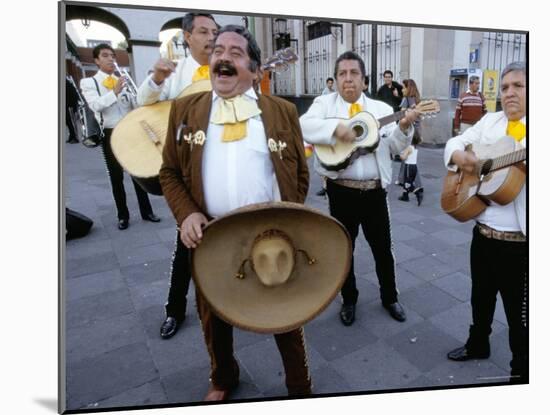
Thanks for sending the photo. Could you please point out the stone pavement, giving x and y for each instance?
(116, 284)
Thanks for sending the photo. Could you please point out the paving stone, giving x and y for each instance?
(405, 233)
(90, 265)
(428, 225)
(456, 284)
(429, 267)
(456, 322)
(93, 284)
(99, 337)
(453, 236)
(374, 367)
(151, 393)
(501, 354)
(92, 380)
(377, 320)
(428, 300)
(471, 372)
(147, 295)
(131, 256)
(406, 280)
(333, 340)
(456, 255)
(148, 272)
(98, 307)
(424, 345)
(403, 253)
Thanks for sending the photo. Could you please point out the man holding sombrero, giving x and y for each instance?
(227, 149)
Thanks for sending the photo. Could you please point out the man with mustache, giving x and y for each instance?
(498, 253)
(167, 82)
(217, 159)
(357, 195)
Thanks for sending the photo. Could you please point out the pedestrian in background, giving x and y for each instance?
(469, 108)
(391, 92)
(409, 177)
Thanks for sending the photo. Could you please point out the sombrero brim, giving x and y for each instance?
(247, 303)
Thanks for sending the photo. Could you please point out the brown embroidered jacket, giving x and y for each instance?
(181, 174)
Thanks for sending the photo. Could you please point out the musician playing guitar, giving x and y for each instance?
(357, 194)
(499, 249)
(167, 82)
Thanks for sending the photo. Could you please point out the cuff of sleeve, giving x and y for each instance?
(153, 85)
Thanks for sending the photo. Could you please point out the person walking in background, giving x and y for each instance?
(329, 89)
(107, 97)
(391, 92)
(469, 108)
(409, 176)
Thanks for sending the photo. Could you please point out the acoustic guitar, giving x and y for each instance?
(138, 139)
(339, 156)
(499, 177)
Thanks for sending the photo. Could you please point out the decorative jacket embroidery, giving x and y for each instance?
(275, 147)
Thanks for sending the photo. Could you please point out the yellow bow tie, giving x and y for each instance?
(516, 129)
(354, 109)
(233, 113)
(110, 82)
(202, 72)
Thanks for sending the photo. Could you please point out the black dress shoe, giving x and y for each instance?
(151, 217)
(462, 354)
(321, 192)
(169, 327)
(122, 224)
(396, 311)
(347, 314)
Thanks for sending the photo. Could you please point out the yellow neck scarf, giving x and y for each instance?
(202, 72)
(354, 109)
(233, 113)
(516, 129)
(110, 82)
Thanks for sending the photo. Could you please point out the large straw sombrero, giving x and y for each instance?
(271, 267)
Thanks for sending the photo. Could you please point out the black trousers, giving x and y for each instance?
(116, 176)
(369, 209)
(500, 267)
(180, 276)
(70, 126)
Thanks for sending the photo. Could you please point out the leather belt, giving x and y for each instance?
(359, 184)
(491, 233)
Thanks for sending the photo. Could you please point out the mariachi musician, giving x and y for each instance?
(499, 244)
(165, 83)
(357, 194)
(109, 99)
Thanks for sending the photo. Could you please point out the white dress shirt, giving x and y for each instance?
(487, 131)
(320, 121)
(149, 92)
(107, 103)
(237, 173)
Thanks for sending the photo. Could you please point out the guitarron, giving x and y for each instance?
(499, 177)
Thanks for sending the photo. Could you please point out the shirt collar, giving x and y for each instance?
(250, 93)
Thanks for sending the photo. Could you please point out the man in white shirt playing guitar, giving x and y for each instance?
(167, 82)
(499, 244)
(357, 194)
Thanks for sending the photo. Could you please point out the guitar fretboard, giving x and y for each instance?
(509, 159)
(391, 118)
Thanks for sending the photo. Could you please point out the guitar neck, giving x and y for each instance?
(391, 118)
(509, 159)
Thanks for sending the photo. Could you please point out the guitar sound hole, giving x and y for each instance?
(359, 131)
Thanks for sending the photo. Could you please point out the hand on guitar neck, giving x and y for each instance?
(411, 115)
